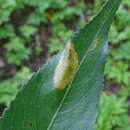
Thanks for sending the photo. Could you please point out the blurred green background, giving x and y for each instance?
(31, 31)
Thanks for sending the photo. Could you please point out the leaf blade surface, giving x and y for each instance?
(40, 106)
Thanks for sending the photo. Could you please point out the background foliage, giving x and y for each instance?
(32, 31)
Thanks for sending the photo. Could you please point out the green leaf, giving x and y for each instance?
(8, 88)
(40, 106)
(28, 30)
(16, 51)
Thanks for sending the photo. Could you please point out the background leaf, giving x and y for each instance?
(40, 106)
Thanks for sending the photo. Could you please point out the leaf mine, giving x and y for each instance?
(66, 67)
